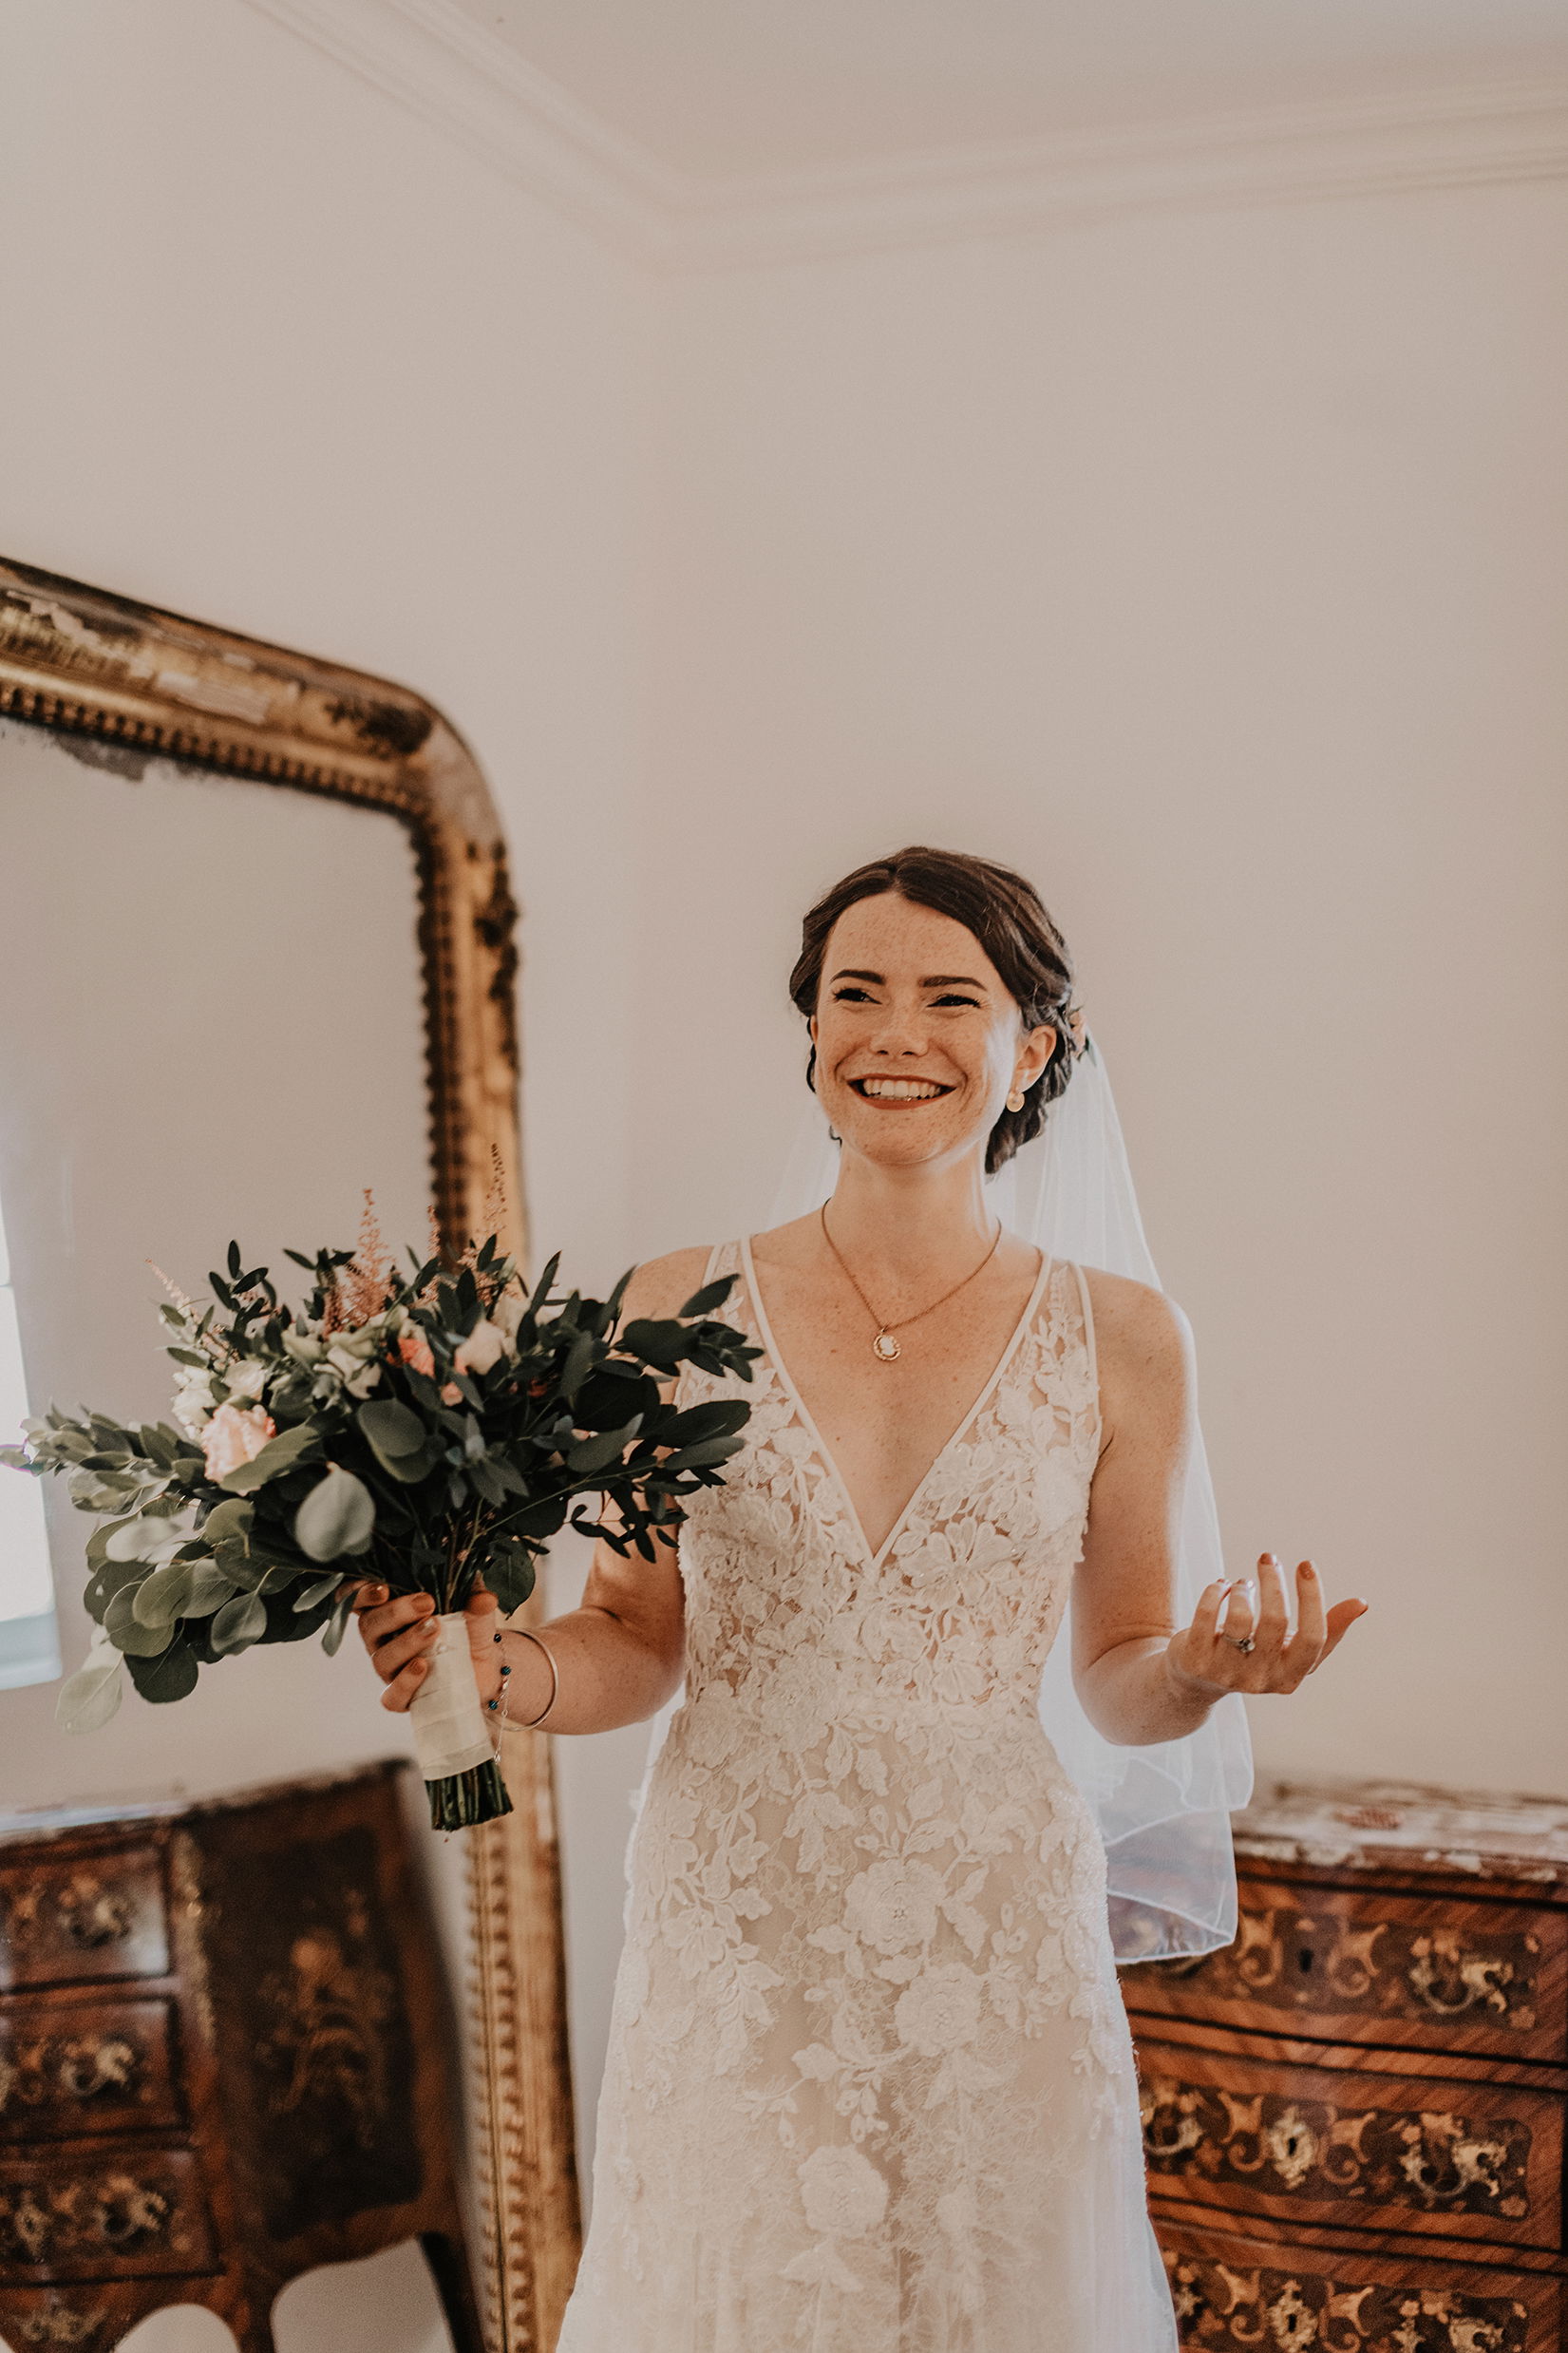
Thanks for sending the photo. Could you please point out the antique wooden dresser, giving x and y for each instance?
(1354, 2114)
(224, 2059)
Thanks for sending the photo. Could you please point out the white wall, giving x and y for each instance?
(1212, 568)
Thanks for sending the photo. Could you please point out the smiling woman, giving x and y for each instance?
(869, 2082)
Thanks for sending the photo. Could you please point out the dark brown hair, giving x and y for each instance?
(1006, 916)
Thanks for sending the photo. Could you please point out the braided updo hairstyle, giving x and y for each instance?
(1006, 916)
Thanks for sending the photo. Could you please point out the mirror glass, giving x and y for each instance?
(212, 1026)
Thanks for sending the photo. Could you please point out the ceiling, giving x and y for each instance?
(714, 88)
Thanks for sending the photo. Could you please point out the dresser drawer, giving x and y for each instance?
(1344, 1964)
(1269, 2135)
(74, 2213)
(99, 1916)
(98, 2065)
(1232, 2292)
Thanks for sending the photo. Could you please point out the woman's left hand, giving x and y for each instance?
(1241, 1637)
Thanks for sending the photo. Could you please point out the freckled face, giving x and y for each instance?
(918, 1038)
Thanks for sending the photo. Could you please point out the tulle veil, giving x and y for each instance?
(1163, 1811)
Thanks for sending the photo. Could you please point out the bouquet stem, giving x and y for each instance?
(452, 1737)
(463, 1798)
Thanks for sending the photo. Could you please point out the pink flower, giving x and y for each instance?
(235, 1434)
(451, 1394)
(414, 1349)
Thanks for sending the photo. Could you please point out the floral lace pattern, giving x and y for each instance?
(869, 2083)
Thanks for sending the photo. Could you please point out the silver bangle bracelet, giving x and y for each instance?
(529, 1724)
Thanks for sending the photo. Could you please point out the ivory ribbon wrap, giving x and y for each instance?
(450, 1732)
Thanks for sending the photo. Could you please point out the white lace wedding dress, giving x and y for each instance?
(870, 2087)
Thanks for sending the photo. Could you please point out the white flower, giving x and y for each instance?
(892, 1905)
(481, 1348)
(364, 1381)
(193, 1400)
(817, 2062)
(843, 2193)
(941, 2010)
(347, 1356)
(715, 1725)
(508, 1314)
(247, 1378)
(796, 1699)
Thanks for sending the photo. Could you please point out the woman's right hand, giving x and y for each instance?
(397, 1631)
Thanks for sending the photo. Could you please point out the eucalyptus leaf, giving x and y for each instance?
(136, 1540)
(232, 1518)
(172, 1677)
(333, 1633)
(390, 1428)
(159, 1599)
(712, 1295)
(239, 1623)
(604, 1447)
(87, 1698)
(126, 1632)
(210, 1589)
(337, 1516)
(315, 1591)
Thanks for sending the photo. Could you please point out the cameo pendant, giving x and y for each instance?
(884, 1346)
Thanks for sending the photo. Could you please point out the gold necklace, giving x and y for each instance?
(884, 1347)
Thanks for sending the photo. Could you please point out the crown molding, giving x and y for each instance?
(456, 74)
(465, 80)
(1438, 139)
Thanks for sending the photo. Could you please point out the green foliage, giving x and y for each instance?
(442, 1433)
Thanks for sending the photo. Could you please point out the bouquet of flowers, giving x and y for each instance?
(422, 1433)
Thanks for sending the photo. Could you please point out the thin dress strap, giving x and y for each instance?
(1089, 1323)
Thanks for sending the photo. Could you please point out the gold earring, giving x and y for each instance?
(1015, 1101)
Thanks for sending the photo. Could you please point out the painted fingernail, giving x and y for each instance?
(1307, 1569)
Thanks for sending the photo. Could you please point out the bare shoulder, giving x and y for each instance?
(662, 1286)
(1139, 1334)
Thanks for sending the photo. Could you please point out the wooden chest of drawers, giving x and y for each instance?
(222, 2060)
(1355, 2115)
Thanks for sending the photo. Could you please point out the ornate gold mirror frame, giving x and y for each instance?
(78, 659)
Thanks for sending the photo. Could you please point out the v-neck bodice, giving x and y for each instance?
(758, 1318)
(784, 1598)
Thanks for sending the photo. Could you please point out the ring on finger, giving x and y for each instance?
(1242, 1642)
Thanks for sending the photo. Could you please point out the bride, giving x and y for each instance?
(870, 2087)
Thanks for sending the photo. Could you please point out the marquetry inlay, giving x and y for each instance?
(79, 2068)
(94, 1919)
(1301, 2308)
(1279, 2144)
(138, 2211)
(1324, 1960)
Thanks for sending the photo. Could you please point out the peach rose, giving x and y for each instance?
(414, 1349)
(235, 1434)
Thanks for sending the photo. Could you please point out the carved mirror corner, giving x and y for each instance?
(349, 946)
